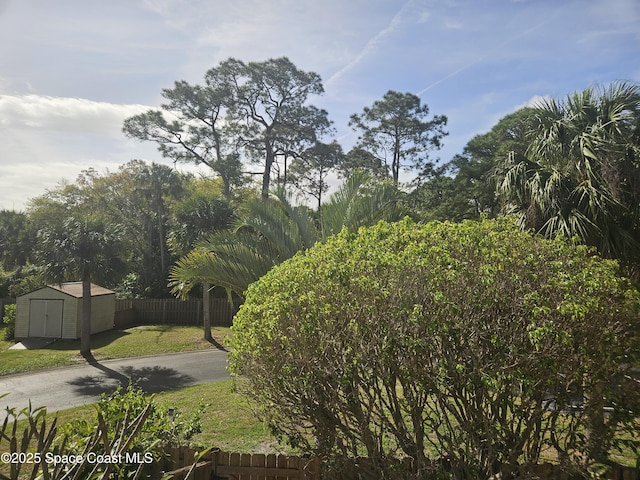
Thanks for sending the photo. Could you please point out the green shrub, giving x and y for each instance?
(465, 345)
(162, 427)
(9, 320)
(36, 446)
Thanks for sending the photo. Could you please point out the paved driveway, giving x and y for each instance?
(66, 387)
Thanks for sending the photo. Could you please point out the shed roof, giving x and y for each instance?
(74, 289)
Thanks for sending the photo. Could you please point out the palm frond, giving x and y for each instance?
(582, 174)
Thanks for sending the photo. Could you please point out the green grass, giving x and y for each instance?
(132, 342)
(228, 422)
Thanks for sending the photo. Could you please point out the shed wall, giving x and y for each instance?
(22, 317)
(23, 311)
(103, 311)
(70, 318)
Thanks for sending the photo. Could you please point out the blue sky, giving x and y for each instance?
(72, 70)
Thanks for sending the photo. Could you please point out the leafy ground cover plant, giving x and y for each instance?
(32, 449)
(162, 426)
(477, 341)
(126, 439)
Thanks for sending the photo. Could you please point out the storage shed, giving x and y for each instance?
(55, 311)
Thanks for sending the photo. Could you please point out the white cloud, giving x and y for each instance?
(64, 114)
(452, 25)
(48, 138)
(534, 102)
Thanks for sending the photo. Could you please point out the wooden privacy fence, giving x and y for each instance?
(184, 463)
(172, 311)
(241, 466)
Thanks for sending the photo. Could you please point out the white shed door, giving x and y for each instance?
(45, 318)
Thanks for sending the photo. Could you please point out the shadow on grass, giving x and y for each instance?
(106, 380)
(217, 344)
(155, 328)
(98, 340)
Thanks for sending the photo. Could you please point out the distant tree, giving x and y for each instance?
(16, 239)
(192, 128)
(22, 280)
(309, 171)
(399, 133)
(196, 216)
(465, 188)
(200, 215)
(581, 174)
(441, 197)
(269, 110)
(153, 184)
(358, 159)
(138, 197)
(269, 232)
(81, 245)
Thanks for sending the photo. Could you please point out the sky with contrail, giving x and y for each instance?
(72, 71)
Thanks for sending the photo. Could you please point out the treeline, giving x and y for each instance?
(566, 167)
(153, 213)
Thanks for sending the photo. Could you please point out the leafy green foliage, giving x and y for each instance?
(308, 172)
(160, 428)
(273, 230)
(37, 445)
(16, 239)
(397, 129)
(465, 188)
(581, 174)
(9, 321)
(190, 128)
(476, 340)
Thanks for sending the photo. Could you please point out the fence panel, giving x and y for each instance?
(173, 311)
(243, 466)
(222, 312)
(237, 466)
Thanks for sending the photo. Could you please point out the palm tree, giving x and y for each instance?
(274, 230)
(199, 213)
(271, 231)
(80, 245)
(582, 171)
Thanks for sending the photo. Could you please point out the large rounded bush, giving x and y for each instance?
(473, 344)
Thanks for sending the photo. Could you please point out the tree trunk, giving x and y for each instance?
(596, 424)
(266, 176)
(395, 166)
(159, 208)
(206, 311)
(226, 186)
(85, 328)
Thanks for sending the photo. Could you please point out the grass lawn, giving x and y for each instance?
(132, 342)
(228, 422)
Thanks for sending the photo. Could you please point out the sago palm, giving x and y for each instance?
(274, 230)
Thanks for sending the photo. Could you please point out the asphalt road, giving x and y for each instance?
(65, 387)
